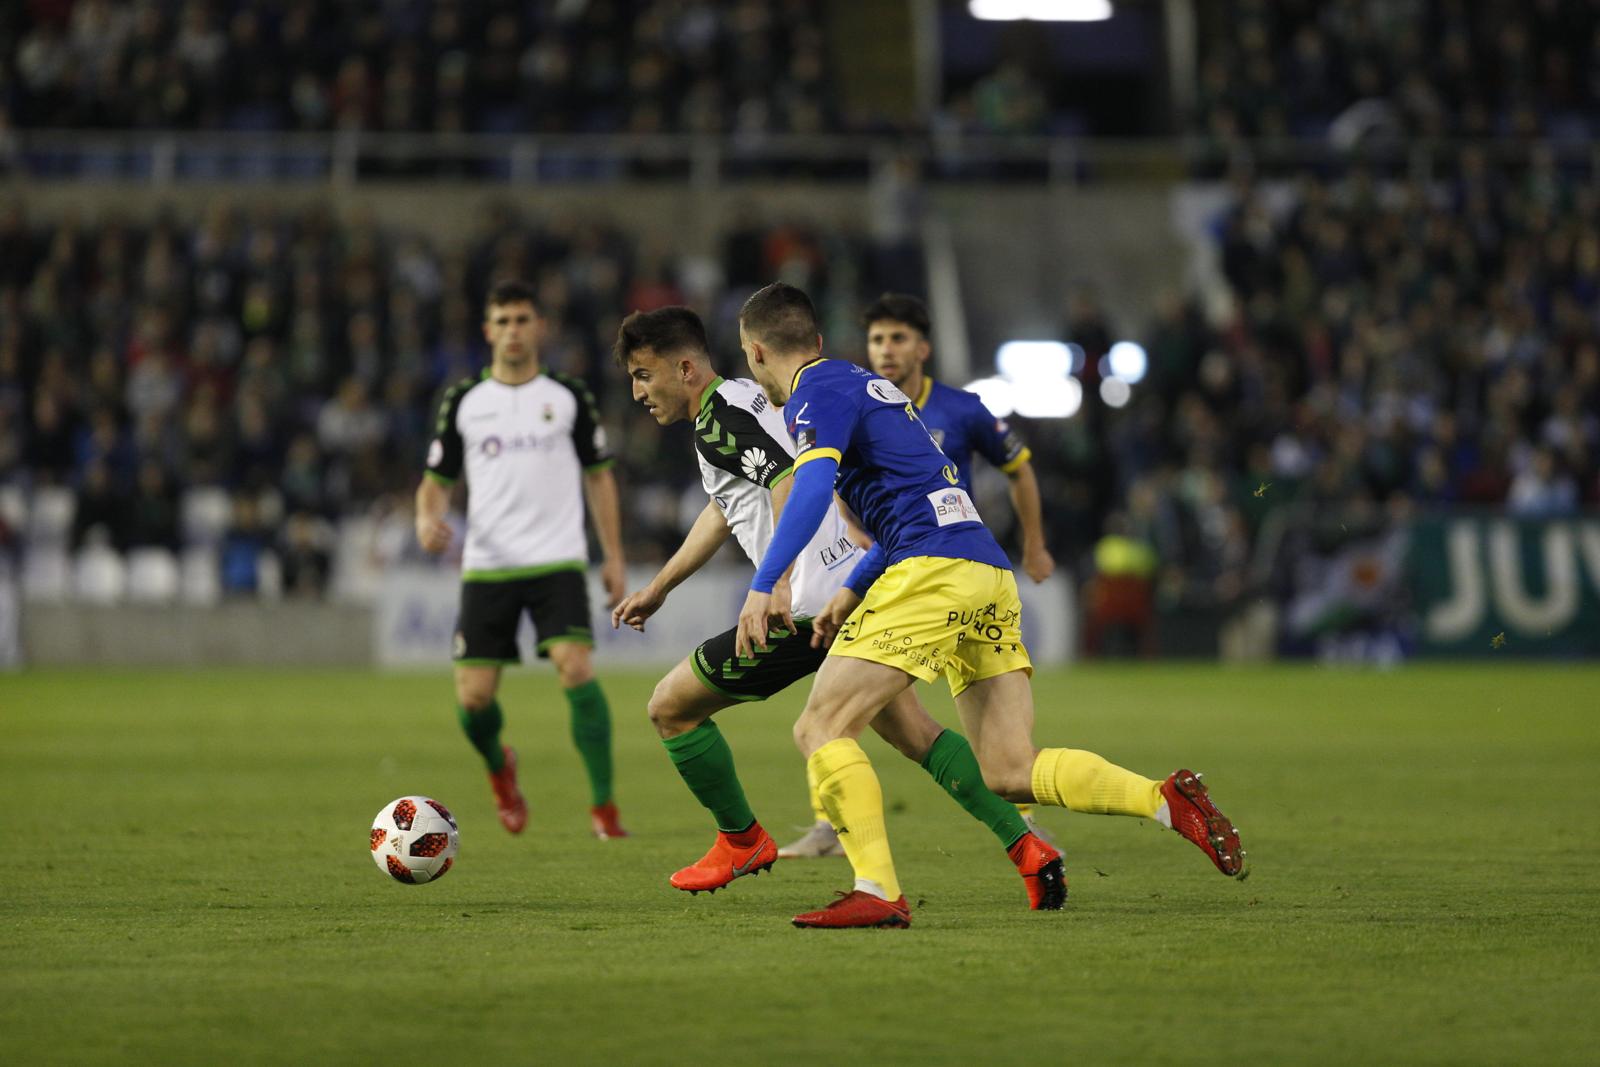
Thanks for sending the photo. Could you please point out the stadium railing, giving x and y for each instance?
(169, 157)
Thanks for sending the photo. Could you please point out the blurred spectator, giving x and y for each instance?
(306, 556)
(242, 547)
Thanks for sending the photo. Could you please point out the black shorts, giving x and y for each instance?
(486, 630)
(786, 660)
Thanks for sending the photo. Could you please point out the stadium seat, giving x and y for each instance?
(50, 519)
(99, 576)
(45, 573)
(153, 575)
(201, 582)
(205, 513)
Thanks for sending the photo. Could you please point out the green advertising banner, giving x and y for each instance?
(1514, 586)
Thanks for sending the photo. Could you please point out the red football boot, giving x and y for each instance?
(604, 819)
(1042, 871)
(507, 797)
(728, 860)
(1195, 817)
(856, 909)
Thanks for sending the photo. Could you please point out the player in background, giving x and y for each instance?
(897, 328)
(530, 446)
(745, 458)
(934, 595)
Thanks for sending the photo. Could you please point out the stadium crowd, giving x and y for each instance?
(293, 360)
(608, 66)
(1417, 68)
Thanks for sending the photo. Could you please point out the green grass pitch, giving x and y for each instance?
(187, 880)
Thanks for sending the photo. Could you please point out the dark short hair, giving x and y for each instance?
(898, 307)
(510, 291)
(781, 317)
(664, 330)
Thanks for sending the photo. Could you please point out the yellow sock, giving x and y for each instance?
(1082, 781)
(816, 798)
(854, 803)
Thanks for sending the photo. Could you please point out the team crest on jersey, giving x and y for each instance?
(886, 391)
(492, 445)
(549, 413)
(938, 437)
(755, 464)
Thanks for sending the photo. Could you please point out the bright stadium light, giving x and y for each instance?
(1040, 10)
(997, 394)
(1027, 361)
(1050, 398)
(1129, 361)
(1115, 392)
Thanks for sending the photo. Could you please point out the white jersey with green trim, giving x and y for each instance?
(744, 450)
(524, 450)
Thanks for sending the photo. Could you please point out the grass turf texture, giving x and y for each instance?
(188, 881)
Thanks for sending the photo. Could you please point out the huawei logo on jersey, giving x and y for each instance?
(755, 463)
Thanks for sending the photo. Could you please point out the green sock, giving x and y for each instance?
(951, 762)
(591, 732)
(483, 730)
(705, 761)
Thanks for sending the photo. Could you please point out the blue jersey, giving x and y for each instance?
(961, 425)
(904, 490)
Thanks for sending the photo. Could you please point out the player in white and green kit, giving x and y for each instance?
(746, 456)
(529, 444)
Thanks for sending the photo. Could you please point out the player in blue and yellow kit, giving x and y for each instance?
(897, 329)
(935, 595)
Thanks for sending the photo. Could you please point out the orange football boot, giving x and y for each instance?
(1042, 871)
(728, 860)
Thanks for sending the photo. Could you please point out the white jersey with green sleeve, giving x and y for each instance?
(744, 450)
(523, 450)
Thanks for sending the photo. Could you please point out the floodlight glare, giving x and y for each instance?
(1115, 392)
(1040, 10)
(1050, 398)
(997, 394)
(1129, 361)
(1027, 361)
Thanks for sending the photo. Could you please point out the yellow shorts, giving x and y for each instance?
(929, 616)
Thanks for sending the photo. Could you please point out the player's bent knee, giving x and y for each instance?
(1010, 783)
(667, 714)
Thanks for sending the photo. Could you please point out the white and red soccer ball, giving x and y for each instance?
(414, 840)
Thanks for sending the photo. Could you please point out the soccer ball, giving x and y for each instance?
(414, 839)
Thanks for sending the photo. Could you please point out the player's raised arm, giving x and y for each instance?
(710, 530)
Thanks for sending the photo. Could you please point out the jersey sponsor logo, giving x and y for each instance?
(495, 445)
(953, 506)
(836, 553)
(755, 464)
(886, 391)
(436, 453)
